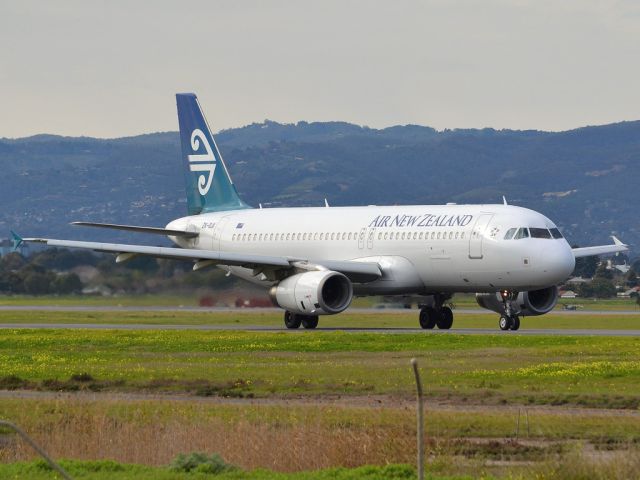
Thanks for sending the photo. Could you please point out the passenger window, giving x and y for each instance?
(450, 235)
(288, 237)
(421, 235)
(260, 237)
(321, 236)
(539, 233)
(438, 235)
(457, 234)
(522, 233)
(462, 235)
(233, 238)
(509, 234)
(555, 233)
(349, 237)
(386, 235)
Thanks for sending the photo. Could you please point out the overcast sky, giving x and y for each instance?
(111, 68)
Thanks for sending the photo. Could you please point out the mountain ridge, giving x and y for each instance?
(585, 179)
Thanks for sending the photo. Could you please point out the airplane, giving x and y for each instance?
(314, 260)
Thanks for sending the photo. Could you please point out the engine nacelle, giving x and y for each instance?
(321, 292)
(535, 302)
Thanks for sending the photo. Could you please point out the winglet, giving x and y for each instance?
(17, 241)
(617, 241)
(504, 200)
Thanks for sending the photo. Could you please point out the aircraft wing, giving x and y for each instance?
(617, 246)
(359, 272)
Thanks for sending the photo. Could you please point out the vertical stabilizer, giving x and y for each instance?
(208, 183)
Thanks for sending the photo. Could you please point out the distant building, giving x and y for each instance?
(579, 280)
(623, 268)
(632, 292)
(568, 294)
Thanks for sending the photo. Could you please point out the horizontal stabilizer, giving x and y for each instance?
(134, 228)
(617, 246)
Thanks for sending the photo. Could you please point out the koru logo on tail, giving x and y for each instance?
(202, 162)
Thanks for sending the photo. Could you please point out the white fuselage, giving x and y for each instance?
(420, 249)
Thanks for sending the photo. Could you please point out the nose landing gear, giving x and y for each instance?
(510, 320)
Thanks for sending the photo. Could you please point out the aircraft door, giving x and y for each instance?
(475, 240)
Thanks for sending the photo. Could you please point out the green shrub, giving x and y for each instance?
(201, 463)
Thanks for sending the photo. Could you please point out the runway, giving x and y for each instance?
(380, 311)
(302, 331)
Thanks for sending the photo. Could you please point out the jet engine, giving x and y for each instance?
(532, 303)
(322, 292)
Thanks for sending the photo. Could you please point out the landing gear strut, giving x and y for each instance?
(436, 315)
(510, 320)
(294, 320)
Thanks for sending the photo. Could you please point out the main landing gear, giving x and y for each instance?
(510, 320)
(294, 320)
(436, 315)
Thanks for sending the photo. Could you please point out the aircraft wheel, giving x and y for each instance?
(309, 321)
(428, 316)
(291, 320)
(515, 324)
(505, 322)
(446, 318)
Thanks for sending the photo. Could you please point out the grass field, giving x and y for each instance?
(503, 406)
(594, 371)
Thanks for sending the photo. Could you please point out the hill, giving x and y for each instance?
(585, 179)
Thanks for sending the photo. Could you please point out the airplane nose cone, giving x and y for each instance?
(557, 262)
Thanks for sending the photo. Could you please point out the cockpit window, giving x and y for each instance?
(555, 233)
(539, 233)
(509, 234)
(522, 232)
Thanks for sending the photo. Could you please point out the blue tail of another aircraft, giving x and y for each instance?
(209, 185)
